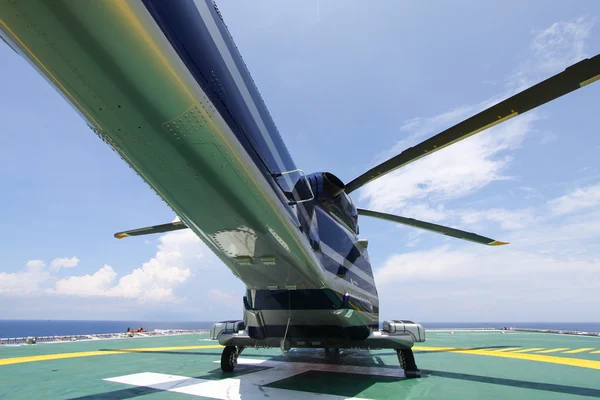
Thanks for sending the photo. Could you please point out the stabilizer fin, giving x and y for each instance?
(149, 230)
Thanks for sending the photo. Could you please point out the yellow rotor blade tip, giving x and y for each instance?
(497, 243)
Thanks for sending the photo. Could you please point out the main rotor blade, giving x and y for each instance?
(149, 230)
(572, 78)
(444, 230)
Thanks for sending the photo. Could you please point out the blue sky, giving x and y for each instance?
(348, 85)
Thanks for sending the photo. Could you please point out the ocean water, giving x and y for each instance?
(21, 328)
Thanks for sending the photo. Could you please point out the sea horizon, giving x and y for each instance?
(10, 328)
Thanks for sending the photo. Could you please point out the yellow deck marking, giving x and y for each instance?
(19, 360)
(504, 349)
(212, 346)
(596, 352)
(553, 350)
(574, 362)
(578, 350)
(528, 350)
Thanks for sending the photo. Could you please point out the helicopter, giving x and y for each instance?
(163, 84)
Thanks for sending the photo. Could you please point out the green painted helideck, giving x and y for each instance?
(455, 365)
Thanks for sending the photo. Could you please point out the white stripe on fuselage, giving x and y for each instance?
(347, 287)
(219, 41)
(217, 38)
(340, 259)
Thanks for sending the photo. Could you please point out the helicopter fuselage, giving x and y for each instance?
(164, 85)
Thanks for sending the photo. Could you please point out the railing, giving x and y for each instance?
(463, 329)
(555, 331)
(96, 336)
(561, 332)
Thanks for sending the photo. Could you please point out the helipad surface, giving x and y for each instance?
(463, 365)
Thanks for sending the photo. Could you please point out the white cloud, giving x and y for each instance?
(432, 264)
(527, 225)
(419, 127)
(413, 242)
(551, 256)
(452, 172)
(414, 238)
(500, 281)
(27, 282)
(498, 265)
(35, 265)
(561, 44)
(553, 49)
(178, 254)
(578, 199)
(472, 164)
(505, 219)
(97, 284)
(64, 262)
(492, 284)
(154, 281)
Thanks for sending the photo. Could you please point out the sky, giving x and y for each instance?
(348, 84)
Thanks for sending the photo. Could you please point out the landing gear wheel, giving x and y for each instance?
(229, 358)
(407, 363)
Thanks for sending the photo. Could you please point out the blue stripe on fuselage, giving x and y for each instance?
(263, 111)
(220, 71)
(189, 35)
(349, 276)
(340, 240)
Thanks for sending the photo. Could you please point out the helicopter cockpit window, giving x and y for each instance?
(343, 208)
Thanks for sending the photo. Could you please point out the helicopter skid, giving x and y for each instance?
(375, 341)
(236, 342)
